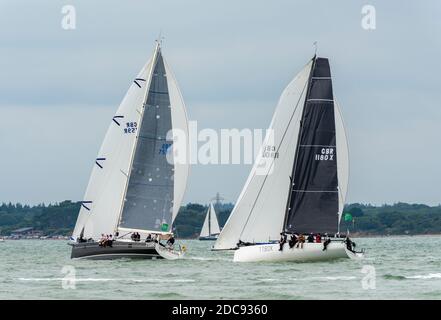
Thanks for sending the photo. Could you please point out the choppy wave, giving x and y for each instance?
(209, 275)
(328, 278)
(268, 280)
(207, 259)
(418, 276)
(150, 280)
(170, 295)
(394, 277)
(338, 278)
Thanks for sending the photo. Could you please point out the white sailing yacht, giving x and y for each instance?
(210, 228)
(299, 180)
(137, 183)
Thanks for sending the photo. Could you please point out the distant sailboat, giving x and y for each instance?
(136, 186)
(299, 180)
(210, 228)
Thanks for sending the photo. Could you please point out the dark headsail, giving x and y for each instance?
(313, 201)
(149, 198)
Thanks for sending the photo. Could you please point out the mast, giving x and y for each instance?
(141, 115)
(209, 221)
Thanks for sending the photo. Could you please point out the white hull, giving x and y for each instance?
(170, 254)
(309, 252)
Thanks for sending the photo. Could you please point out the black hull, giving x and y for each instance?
(119, 249)
(212, 238)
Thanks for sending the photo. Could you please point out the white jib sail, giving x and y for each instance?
(260, 209)
(211, 224)
(342, 158)
(104, 194)
(181, 152)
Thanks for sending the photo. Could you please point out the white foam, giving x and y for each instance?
(207, 259)
(268, 280)
(339, 278)
(330, 278)
(426, 276)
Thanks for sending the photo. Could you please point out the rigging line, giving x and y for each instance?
(281, 141)
(120, 237)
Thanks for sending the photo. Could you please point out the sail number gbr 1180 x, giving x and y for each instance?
(325, 154)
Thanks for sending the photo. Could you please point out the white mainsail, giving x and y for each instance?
(260, 208)
(211, 224)
(105, 195)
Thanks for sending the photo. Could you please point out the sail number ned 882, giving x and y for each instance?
(240, 309)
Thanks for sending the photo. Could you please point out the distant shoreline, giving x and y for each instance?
(360, 235)
(352, 235)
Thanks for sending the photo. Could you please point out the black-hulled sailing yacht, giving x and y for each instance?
(136, 186)
(299, 187)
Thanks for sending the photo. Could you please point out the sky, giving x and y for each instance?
(232, 60)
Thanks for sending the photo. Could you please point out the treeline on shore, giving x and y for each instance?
(364, 219)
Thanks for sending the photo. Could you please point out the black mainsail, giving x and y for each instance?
(313, 202)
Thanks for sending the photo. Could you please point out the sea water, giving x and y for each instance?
(394, 268)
